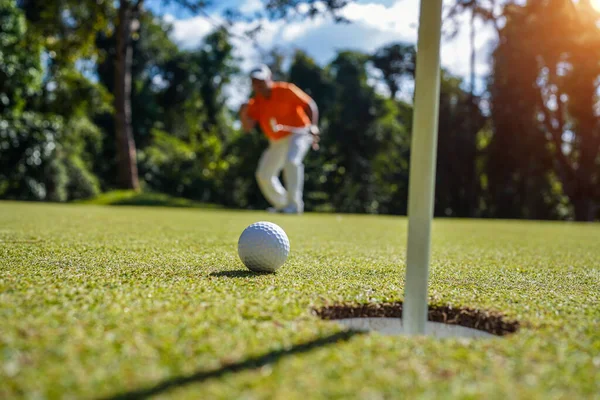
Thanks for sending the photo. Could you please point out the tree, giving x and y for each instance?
(127, 23)
(313, 79)
(20, 65)
(396, 62)
(484, 10)
(581, 102)
(67, 28)
(457, 177)
(47, 141)
(544, 89)
(357, 132)
(215, 64)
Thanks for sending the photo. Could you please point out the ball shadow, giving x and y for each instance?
(239, 273)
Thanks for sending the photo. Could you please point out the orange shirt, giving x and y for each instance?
(287, 105)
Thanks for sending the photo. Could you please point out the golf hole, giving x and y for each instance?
(443, 322)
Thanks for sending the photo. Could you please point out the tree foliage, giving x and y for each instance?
(545, 95)
(396, 63)
(20, 64)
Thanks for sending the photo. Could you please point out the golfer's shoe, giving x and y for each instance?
(273, 210)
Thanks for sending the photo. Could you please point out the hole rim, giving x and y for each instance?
(493, 322)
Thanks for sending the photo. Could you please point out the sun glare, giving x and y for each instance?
(595, 4)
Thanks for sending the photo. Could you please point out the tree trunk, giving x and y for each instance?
(472, 177)
(126, 154)
(472, 58)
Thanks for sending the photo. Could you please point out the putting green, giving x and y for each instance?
(102, 302)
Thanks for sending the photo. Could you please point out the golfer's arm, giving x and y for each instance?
(247, 123)
(313, 112)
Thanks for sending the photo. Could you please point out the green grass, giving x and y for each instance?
(101, 301)
(136, 198)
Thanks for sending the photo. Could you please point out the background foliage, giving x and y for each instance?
(528, 147)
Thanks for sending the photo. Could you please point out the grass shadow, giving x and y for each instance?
(249, 364)
(239, 273)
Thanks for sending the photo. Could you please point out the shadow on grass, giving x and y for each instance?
(239, 273)
(249, 364)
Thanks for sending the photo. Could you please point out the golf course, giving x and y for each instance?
(122, 302)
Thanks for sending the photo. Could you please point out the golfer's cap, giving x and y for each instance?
(261, 72)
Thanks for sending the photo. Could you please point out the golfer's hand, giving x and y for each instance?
(314, 131)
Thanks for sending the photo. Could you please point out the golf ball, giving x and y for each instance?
(263, 247)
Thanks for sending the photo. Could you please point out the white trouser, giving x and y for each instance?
(287, 154)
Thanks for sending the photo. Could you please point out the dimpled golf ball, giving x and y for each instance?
(263, 247)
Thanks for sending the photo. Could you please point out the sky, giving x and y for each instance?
(374, 23)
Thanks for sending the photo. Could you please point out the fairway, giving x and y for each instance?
(128, 302)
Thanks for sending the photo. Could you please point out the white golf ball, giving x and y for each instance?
(263, 247)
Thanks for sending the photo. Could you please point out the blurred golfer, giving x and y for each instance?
(289, 119)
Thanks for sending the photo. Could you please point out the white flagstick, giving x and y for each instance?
(422, 167)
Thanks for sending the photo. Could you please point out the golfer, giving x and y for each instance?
(289, 119)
